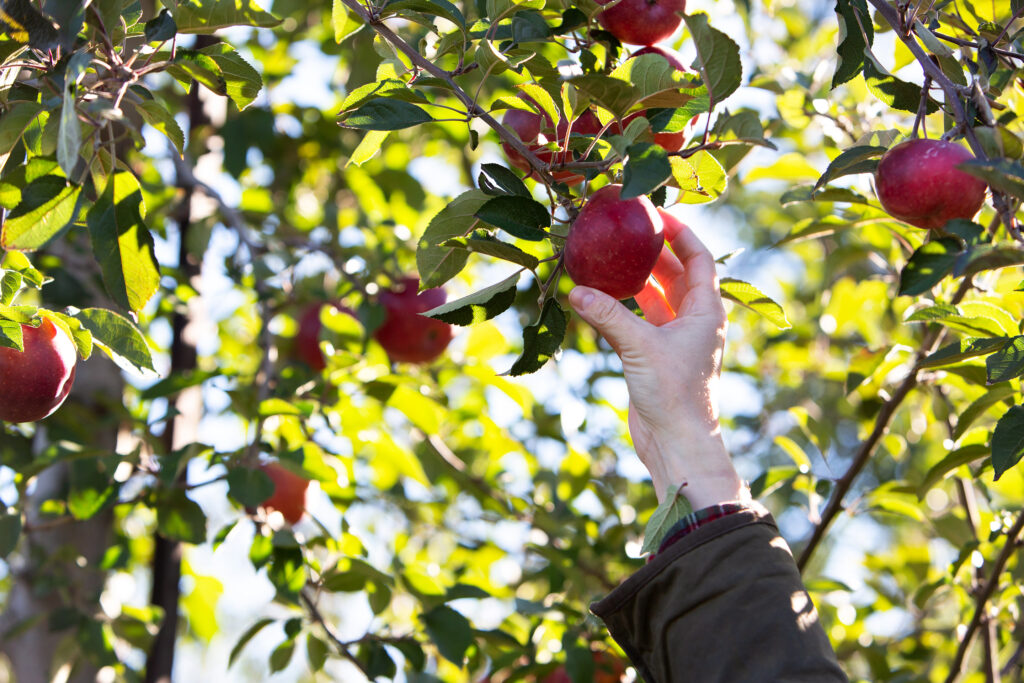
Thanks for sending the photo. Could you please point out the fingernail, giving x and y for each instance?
(581, 298)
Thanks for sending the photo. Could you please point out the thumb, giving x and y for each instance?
(614, 321)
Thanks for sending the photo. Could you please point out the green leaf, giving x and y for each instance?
(749, 296)
(522, 217)
(180, 518)
(14, 122)
(23, 23)
(850, 162)
(927, 266)
(343, 24)
(119, 338)
(673, 508)
(478, 306)
(191, 64)
(964, 349)
(894, 92)
(1008, 441)
(11, 335)
(989, 257)
(497, 180)
(438, 264)
(1003, 392)
(47, 206)
(1007, 363)
(69, 140)
(1003, 175)
(961, 456)
(207, 16)
(10, 531)
(282, 656)
(700, 178)
(541, 340)
(316, 652)
(450, 631)
(249, 634)
(387, 114)
(91, 487)
(160, 28)
(242, 82)
(156, 115)
(122, 243)
(851, 39)
(951, 316)
(718, 57)
(807, 193)
(436, 8)
(649, 79)
(287, 571)
(483, 243)
(646, 169)
(250, 486)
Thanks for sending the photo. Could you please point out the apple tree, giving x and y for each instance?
(270, 463)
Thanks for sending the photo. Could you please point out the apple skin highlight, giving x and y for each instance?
(35, 382)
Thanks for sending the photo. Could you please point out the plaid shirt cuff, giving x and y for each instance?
(696, 520)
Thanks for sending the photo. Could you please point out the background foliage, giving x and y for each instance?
(180, 174)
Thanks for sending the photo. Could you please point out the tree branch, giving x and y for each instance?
(983, 597)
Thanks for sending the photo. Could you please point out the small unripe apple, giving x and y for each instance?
(34, 382)
(614, 243)
(529, 126)
(406, 335)
(918, 182)
(670, 142)
(289, 496)
(642, 22)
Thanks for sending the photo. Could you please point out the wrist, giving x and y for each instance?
(703, 465)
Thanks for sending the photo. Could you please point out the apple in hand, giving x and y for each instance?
(917, 181)
(289, 496)
(670, 142)
(614, 243)
(34, 382)
(406, 335)
(642, 22)
(530, 127)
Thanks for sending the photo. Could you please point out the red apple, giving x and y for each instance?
(917, 181)
(559, 675)
(307, 340)
(289, 497)
(670, 142)
(614, 243)
(530, 127)
(34, 382)
(406, 335)
(642, 22)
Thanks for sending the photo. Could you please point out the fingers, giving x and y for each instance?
(615, 322)
(657, 310)
(697, 262)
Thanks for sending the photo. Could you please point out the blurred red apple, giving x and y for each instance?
(614, 243)
(530, 127)
(34, 382)
(307, 340)
(406, 335)
(289, 497)
(642, 22)
(917, 181)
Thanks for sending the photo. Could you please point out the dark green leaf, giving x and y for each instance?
(894, 92)
(1004, 392)
(439, 8)
(951, 317)
(438, 264)
(928, 265)
(522, 217)
(450, 631)
(542, 339)
(91, 487)
(161, 28)
(387, 114)
(1008, 441)
(179, 518)
(119, 339)
(250, 486)
(646, 169)
(47, 206)
(718, 57)
(192, 64)
(478, 306)
(281, 656)
(961, 456)
(497, 180)
(483, 243)
(241, 81)
(962, 350)
(287, 571)
(852, 14)
(23, 22)
(852, 161)
(529, 27)
(807, 193)
(1004, 175)
(989, 257)
(69, 140)
(207, 16)
(378, 661)
(1007, 363)
(316, 652)
(156, 115)
(10, 530)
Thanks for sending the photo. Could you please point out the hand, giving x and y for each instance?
(672, 361)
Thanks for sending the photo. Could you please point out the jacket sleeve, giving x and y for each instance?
(723, 604)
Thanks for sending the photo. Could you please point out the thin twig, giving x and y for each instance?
(339, 645)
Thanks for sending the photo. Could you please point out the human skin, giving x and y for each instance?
(672, 359)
